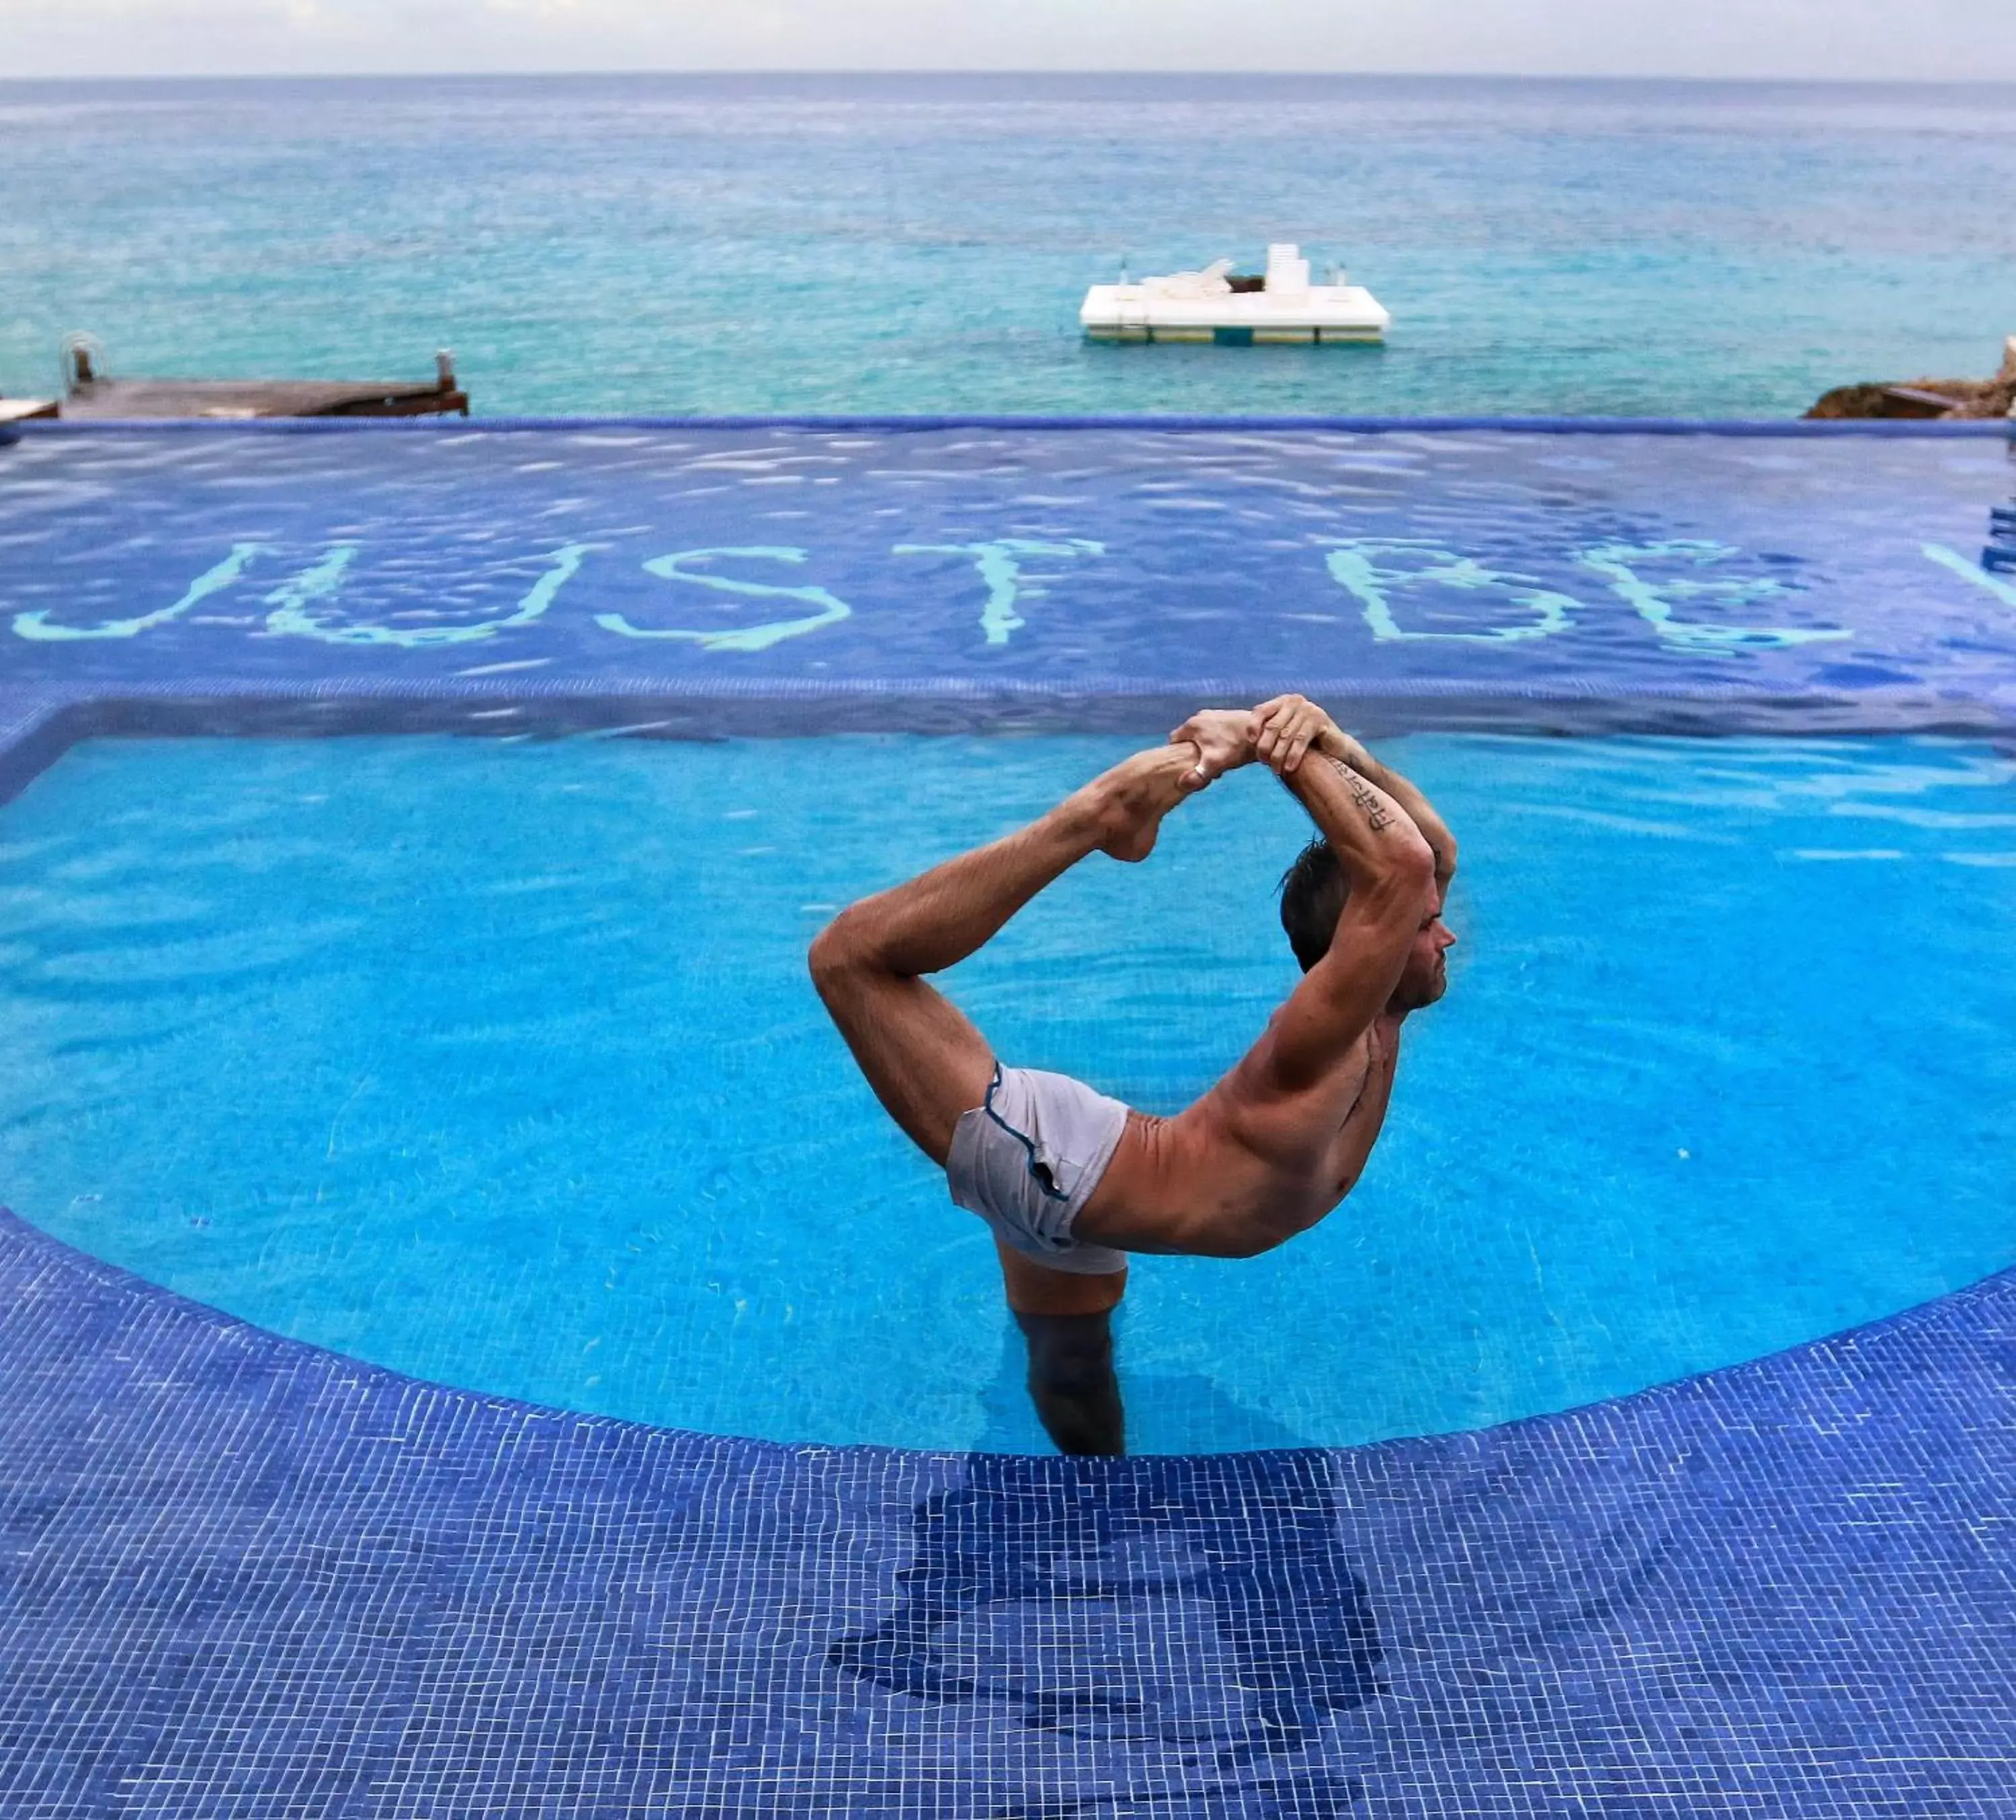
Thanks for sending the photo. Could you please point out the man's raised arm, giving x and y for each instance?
(1389, 868)
(1281, 731)
(1289, 725)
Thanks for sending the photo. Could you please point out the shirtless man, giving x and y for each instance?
(1069, 1181)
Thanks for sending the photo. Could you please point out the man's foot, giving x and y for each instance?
(1072, 1382)
(1131, 799)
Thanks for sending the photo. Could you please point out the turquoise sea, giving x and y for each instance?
(772, 244)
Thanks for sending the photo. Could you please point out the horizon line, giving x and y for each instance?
(745, 70)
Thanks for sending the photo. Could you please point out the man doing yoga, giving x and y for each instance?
(1070, 1181)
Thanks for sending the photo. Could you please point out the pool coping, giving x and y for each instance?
(39, 722)
(926, 421)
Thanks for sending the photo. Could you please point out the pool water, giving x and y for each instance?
(497, 1063)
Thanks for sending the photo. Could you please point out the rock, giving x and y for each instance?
(1926, 398)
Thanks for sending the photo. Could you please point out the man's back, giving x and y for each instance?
(1250, 1164)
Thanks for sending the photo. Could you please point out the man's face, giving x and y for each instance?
(1425, 978)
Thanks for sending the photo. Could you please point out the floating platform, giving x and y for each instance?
(92, 394)
(1216, 305)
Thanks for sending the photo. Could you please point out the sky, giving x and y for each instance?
(1906, 40)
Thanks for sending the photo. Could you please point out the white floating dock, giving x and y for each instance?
(1213, 305)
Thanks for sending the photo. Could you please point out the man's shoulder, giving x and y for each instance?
(1254, 1078)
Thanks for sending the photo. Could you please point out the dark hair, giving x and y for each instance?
(1313, 890)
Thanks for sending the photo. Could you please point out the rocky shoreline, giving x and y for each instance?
(1926, 398)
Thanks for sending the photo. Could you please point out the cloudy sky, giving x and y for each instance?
(1929, 40)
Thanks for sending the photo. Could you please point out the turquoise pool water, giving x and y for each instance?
(922, 243)
(496, 1063)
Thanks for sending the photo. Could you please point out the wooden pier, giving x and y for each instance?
(89, 395)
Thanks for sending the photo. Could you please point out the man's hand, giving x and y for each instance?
(1291, 726)
(1285, 729)
(1223, 737)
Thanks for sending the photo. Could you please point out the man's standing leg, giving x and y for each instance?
(1067, 1320)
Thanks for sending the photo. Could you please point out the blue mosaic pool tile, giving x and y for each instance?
(929, 573)
(240, 1577)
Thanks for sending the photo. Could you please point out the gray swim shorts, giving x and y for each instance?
(1027, 1161)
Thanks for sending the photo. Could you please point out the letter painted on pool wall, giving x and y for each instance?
(302, 606)
(1374, 570)
(1951, 559)
(1668, 584)
(1000, 566)
(37, 625)
(294, 601)
(298, 612)
(1656, 600)
(828, 607)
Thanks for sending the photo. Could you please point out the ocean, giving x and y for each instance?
(912, 244)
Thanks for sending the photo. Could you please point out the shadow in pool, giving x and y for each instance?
(1112, 1613)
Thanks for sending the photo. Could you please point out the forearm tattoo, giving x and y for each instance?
(1366, 800)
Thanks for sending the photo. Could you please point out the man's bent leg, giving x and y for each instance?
(924, 1059)
(1067, 1320)
(925, 1062)
(918, 1050)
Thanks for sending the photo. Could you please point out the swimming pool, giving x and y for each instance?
(394, 1042)
(499, 1064)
